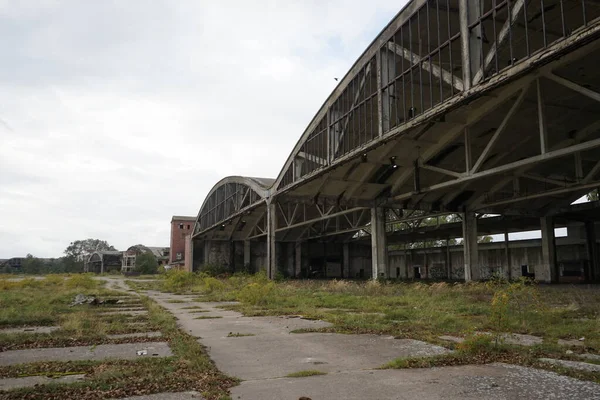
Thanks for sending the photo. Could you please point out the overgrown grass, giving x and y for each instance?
(189, 369)
(410, 310)
(305, 373)
(32, 302)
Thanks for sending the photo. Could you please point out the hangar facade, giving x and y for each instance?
(487, 111)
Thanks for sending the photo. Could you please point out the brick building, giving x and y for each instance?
(181, 227)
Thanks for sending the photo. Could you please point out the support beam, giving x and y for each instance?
(505, 33)
(470, 247)
(271, 244)
(574, 86)
(500, 130)
(542, 119)
(428, 66)
(379, 255)
(548, 272)
(507, 255)
(508, 167)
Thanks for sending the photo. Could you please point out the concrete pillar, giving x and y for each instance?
(379, 254)
(592, 248)
(298, 259)
(548, 272)
(507, 256)
(448, 260)
(188, 254)
(346, 261)
(271, 246)
(471, 252)
(290, 264)
(247, 254)
(207, 246)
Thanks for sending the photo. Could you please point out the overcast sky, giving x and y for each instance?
(115, 115)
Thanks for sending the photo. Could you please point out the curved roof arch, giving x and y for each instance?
(230, 195)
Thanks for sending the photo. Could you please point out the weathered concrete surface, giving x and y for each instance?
(583, 366)
(494, 381)
(29, 381)
(275, 352)
(264, 359)
(135, 335)
(168, 396)
(125, 312)
(31, 329)
(100, 352)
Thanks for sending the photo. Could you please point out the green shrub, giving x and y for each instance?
(257, 293)
(214, 269)
(81, 281)
(213, 285)
(176, 281)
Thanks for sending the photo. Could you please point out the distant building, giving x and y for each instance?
(103, 261)
(181, 227)
(129, 256)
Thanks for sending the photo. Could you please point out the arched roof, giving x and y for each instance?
(229, 195)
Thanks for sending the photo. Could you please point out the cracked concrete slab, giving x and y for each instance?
(135, 335)
(99, 352)
(580, 365)
(493, 381)
(124, 312)
(274, 351)
(29, 381)
(30, 329)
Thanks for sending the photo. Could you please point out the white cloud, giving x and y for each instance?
(115, 115)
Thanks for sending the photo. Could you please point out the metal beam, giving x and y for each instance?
(508, 167)
(500, 130)
(504, 33)
(574, 86)
(428, 66)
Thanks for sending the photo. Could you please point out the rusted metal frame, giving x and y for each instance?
(505, 33)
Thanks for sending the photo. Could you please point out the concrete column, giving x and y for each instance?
(379, 260)
(592, 248)
(206, 259)
(507, 256)
(346, 261)
(298, 259)
(271, 246)
(290, 263)
(448, 260)
(247, 253)
(548, 271)
(188, 255)
(471, 252)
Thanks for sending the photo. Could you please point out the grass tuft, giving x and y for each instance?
(305, 373)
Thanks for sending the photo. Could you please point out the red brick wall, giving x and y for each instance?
(178, 238)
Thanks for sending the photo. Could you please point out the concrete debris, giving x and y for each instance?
(92, 300)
